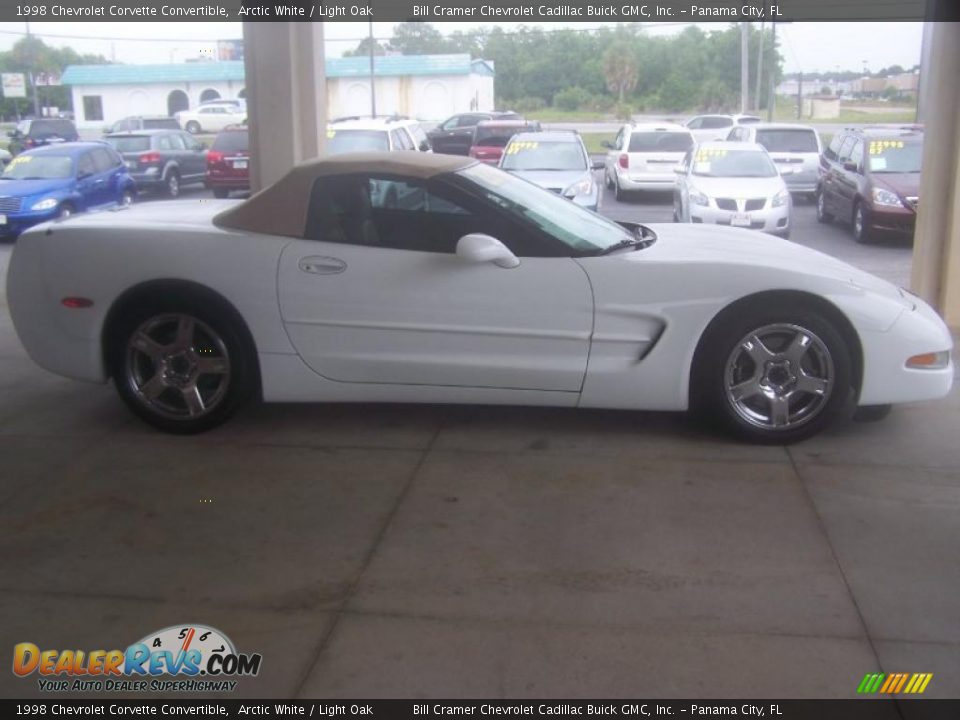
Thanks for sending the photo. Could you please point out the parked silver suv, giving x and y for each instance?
(794, 148)
(643, 157)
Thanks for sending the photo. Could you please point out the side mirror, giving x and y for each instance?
(597, 165)
(480, 248)
(851, 167)
(607, 144)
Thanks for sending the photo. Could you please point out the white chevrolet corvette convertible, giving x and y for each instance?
(408, 277)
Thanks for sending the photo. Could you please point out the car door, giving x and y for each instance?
(377, 295)
(108, 168)
(90, 187)
(194, 156)
(844, 180)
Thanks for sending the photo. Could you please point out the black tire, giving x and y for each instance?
(872, 413)
(715, 371)
(609, 182)
(66, 210)
(127, 197)
(220, 193)
(225, 392)
(171, 184)
(861, 230)
(193, 127)
(822, 215)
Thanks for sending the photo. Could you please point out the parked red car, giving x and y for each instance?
(228, 161)
(491, 136)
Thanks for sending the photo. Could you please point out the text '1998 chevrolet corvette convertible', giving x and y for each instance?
(412, 277)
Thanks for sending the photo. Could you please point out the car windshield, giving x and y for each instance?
(660, 142)
(721, 162)
(894, 156)
(231, 141)
(791, 141)
(581, 230)
(535, 155)
(345, 141)
(129, 143)
(38, 167)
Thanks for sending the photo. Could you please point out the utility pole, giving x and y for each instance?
(772, 98)
(799, 94)
(759, 67)
(744, 66)
(373, 85)
(32, 59)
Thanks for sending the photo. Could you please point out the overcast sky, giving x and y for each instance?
(808, 47)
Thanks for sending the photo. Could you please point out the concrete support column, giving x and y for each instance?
(936, 252)
(286, 96)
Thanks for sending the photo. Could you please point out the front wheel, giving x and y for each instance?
(182, 367)
(172, 184)
(193, 127)
(861, 232)
(777, 374)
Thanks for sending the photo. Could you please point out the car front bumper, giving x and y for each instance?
(16, 223)
(891, 219)
(770, 220)
(886, 377)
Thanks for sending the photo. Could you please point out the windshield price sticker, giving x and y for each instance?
(522, 146)
(708, 154)
(878, 147)
(19, 160)
(331, 134)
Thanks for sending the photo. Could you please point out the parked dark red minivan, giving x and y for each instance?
(228, 161)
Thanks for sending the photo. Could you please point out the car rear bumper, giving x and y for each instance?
(656, 182)
(221, 181)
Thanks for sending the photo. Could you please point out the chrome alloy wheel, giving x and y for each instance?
(177, 366)
(779, 377)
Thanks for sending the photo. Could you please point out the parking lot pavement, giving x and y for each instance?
(424, 551)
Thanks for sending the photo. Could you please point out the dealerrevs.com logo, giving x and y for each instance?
(184, 658)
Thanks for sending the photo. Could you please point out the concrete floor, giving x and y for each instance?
(422, 551)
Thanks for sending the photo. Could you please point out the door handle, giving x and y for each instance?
(321, 265)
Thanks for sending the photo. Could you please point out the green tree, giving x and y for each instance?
(620, 69)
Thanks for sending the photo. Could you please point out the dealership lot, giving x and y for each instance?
(424, 551)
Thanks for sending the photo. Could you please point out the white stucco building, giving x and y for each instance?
(426, 87)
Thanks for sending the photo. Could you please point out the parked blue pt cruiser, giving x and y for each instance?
(60, 180)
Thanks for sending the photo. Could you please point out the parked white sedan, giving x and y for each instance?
(490, 290)
(735, 184)
(211, 118)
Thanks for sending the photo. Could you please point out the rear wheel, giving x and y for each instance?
(193, 127)
(773, 374)
(126, 199)
(172, 184)
(180, 366)
(619, 193)
(822, 214)
(609, 182)
(220, 193)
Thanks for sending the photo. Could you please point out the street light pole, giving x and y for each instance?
(744, 66)
(32, 58)
(373, 85)
(772, 98)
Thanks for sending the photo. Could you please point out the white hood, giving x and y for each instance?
(738, 187)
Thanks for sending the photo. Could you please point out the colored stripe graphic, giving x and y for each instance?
(894, 683)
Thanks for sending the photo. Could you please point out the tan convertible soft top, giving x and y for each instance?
(281, 209)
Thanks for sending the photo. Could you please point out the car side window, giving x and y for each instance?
(86, 165)
(176, 142)
(696, 123)
(189, 142)
(856, 155)
(711, 123)
(395, 213)
(450, 123)
(163, 143)
(846, 149)
(399, 140)
(102, 160)
(833, 151)
(620, 142)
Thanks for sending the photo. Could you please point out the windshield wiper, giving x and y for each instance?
(638, 243)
